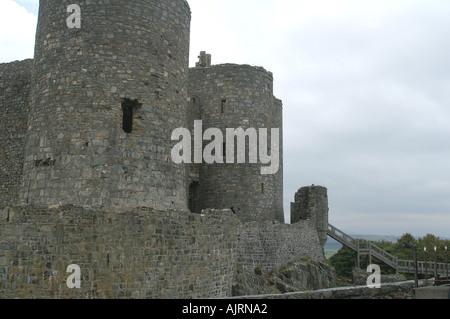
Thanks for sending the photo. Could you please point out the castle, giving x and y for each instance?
(86, 171)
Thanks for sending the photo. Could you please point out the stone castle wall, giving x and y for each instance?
(131, 254)
(85, 144)
(15, 84)
(270, 245)
(127, 66)
(238, 96)
(140, 253)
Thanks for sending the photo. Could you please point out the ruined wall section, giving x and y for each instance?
(233, 96)
(311, 203)
(127, 55)
(15, 81)
(269, 245)
(158, 255)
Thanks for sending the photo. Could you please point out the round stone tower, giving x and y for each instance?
(106, 96)
(231, 96)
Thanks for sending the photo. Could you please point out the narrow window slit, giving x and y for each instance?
(223, 105)
(128, 108)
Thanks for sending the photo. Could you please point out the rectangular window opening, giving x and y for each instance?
(128, 108)
(223, 105)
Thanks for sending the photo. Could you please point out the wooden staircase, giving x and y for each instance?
(363, 247)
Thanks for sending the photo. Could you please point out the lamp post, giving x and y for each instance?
(446, 261)
(435, 264)
(426, 265)
(416, 278)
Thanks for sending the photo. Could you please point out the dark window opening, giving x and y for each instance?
(223, 105)
(193, 198)
(128, 107)
(44, 162)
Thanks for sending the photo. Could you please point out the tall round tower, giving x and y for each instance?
(106, 96)
(231, 96)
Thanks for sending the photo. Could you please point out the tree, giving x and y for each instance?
(430, 241)
(403, 248)
(344, 261)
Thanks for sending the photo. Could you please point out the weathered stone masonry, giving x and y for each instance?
(140, 253)
(238, 96)
(135, 50)
(133, 254)
(271, 245)
(86, 176)
(15, 87)
(311, 203)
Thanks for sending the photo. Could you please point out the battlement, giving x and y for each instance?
(235, 67)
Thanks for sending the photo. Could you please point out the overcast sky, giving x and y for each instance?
(366, 93)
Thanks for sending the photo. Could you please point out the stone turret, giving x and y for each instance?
(230, 96)
(312, 203)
